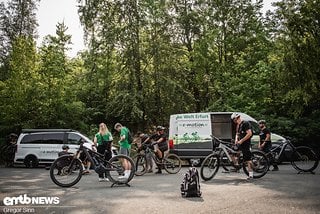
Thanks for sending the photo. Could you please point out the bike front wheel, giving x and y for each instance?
(260, 164)
(304, 159)
(140, 164)
(66, 171)
(210, 167)
(120, 169)
(172, 163)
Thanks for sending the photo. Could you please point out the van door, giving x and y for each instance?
(191, 133)
(30, 145)
(51, 146)
(222, 126)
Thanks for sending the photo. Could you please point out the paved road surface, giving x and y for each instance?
(278, 192)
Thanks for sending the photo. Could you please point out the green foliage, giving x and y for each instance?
(17, 19)
(147, 60)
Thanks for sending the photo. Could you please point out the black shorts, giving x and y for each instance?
(267, 147)
(83, 156)
(163, 146)
(245, 149)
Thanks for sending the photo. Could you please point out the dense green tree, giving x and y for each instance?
(17, 92)
(149, 59)
(17, 19)
(58, 105)
(299, 35)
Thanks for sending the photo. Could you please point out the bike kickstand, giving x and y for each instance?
(120, 184)
(303, 172)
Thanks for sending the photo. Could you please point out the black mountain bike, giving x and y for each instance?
(67, 170)
(302, 158)
(222, 156)
(170, 162)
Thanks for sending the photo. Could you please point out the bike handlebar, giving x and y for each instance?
(229, 144)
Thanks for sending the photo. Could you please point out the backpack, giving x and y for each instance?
(190, 186)
(130, 138)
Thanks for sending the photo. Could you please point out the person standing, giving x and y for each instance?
(103, 142)
(11, 149)
(243, 140)
(265, 142)
(124, 149)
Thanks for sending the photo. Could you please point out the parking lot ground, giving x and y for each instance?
(284, 191)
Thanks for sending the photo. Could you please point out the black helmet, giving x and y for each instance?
(64, 147)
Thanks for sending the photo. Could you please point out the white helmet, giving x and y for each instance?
(235, 115)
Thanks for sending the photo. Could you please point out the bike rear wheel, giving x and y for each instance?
(260, 164)
(304, 159)
(140, 164)
(172, 163)
(66, 171)
(116, 169)
(210, 167)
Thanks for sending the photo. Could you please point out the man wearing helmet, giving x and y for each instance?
(159, 142)
(265, 141)
(65, 150)
(243, 140)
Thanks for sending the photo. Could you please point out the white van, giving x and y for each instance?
(190, 134)
(41, 146)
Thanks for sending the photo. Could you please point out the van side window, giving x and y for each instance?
(74, 139)
(53, 138)
(32, 139)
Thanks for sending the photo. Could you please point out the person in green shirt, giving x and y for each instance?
(124, 148)
(103, 142)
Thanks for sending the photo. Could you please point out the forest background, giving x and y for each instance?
(146, 60)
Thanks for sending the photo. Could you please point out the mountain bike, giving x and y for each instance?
(302, 158)
(170, 162)
(67, 170)
(222, 156)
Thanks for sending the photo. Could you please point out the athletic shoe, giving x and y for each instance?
(249, 178)
(234, 170)
(101, 179)
(124, 177)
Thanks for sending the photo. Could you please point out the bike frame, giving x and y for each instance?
(225, 149)
(283, 147)
(153, 155)
(90, 154)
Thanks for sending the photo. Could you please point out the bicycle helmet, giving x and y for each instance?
(234, 115)
(262, 122)
(64, 147)
(159, 128)
(117, 125)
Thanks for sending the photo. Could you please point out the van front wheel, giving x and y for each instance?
(31, 161)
